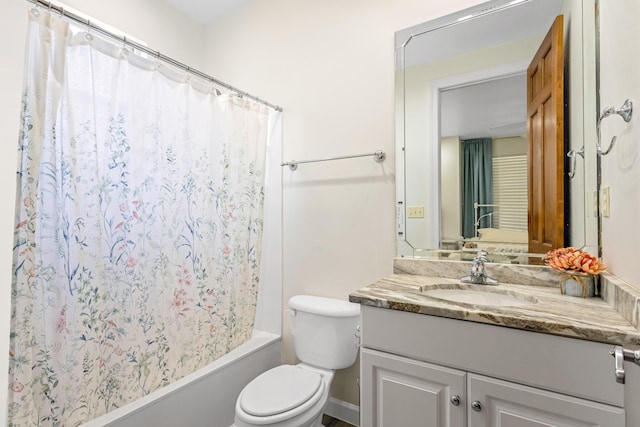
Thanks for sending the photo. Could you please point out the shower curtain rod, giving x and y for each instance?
(123, 39)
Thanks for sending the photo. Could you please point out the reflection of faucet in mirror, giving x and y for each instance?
(478, 275)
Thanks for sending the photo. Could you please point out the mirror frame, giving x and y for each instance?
(588, 114)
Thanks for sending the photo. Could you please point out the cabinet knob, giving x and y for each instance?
(476, 406)
(455, 400)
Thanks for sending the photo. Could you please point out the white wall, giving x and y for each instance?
(620, 68)
(330, 65)
(450, 177)
(162, 27)
(509, 146)
(12, 27)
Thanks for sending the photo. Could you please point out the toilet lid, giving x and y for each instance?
(279, 390)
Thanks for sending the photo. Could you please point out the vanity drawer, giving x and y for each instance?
(565, 365)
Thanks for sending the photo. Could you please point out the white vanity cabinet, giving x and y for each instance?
(419, 370)
(397, 391)
(501, 403)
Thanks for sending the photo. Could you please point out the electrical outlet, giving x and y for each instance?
(605, 202)
(415, 212)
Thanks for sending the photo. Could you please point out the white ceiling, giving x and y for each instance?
(206, 11)
(490, 109)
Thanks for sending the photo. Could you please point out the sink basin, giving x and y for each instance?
(481, 296)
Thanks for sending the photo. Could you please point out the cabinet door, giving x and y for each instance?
(494, 402)
(396, 391)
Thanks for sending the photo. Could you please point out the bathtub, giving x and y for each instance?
(205, 397)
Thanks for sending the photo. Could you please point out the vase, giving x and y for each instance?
(578, 284)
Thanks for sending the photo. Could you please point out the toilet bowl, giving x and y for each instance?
(324, 335)
(285, 396)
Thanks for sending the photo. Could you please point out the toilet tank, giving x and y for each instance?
(324, 331)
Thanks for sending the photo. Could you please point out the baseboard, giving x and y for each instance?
(344, 411)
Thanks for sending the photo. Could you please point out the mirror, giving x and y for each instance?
(461, 78)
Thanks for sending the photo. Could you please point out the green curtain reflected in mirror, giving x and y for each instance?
(477, 179)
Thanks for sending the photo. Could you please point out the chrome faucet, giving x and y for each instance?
(478, 274)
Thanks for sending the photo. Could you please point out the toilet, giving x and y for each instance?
(325, 339)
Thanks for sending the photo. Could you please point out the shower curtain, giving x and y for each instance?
(138, 226)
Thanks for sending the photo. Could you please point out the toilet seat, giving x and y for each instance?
(279, 394)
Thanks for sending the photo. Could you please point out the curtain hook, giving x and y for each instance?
(88, 36)
(49, 10)
(125, 51)
(35, 10)
(157, 60)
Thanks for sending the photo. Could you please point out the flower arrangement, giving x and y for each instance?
(573, 260)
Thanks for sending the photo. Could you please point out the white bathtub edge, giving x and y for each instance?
(258, 341)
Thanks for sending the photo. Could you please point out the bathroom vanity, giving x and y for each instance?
(546, 362)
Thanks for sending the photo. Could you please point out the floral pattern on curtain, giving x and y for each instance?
(138, 227)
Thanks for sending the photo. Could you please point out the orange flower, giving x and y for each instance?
(572, 259)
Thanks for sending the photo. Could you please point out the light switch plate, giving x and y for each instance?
(605, 202)
(415, 212)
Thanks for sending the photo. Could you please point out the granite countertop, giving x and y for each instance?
(593, 319)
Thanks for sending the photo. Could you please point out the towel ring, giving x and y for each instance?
(626, 112)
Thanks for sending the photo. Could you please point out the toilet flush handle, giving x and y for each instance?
(291, 312)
